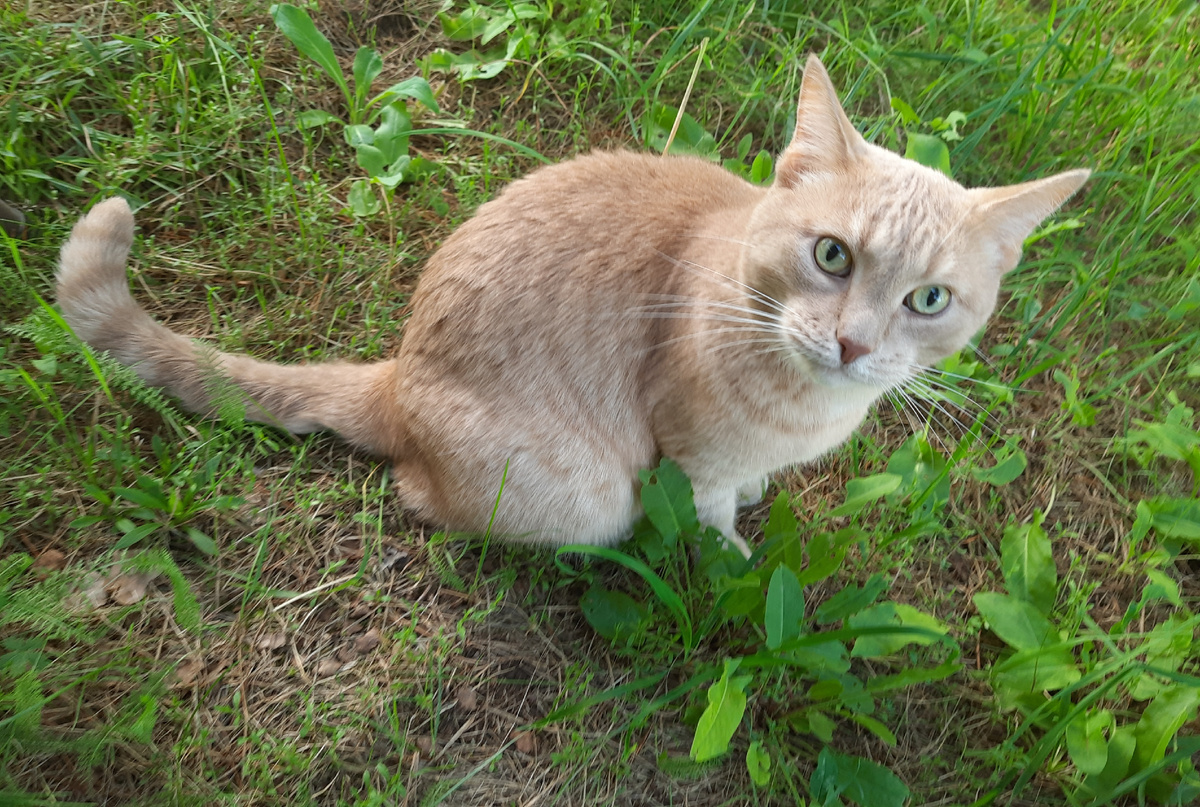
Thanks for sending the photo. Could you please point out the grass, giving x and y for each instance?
(331, 651)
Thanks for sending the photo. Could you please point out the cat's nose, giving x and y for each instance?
(851, 350)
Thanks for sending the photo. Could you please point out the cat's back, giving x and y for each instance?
(543, 287)
(558, 260)
(605, 210)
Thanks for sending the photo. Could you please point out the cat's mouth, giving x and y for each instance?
(825, 367)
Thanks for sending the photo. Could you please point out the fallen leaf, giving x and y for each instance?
(130, 587)
(51, 561)
(271, 641)
(367, 642)
(526, 742)
(346, 654)
(327, 667)
(467, 698)
(188, 671)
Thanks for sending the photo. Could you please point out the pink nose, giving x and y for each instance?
(851, 350)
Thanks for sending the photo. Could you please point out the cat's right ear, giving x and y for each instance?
(824, 141)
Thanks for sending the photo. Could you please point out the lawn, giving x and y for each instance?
(985, 597)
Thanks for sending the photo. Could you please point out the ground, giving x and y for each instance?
(213, 612)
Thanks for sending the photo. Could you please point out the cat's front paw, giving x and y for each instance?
(752, 492)
(739, 543)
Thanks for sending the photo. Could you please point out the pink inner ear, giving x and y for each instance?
(1013, 211)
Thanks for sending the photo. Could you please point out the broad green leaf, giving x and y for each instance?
(391, 137)
(826, 689)
(741, 596)
(913, 675)
(820, 725)
(396, 172)
(496, 26)
(1175, 518)
(367, 66)
(826, 657)
(362, 199)
(758, 763)
(1166, 648)
(863, 490)
(1033, 673)
(500, 24)
(907, 115)
(146, 499)
(370, 159)
(882, 644)
(854, 695)
(47, 365)
(612, 614)
(659, 586)
(762, 168)
(1160, 721)
(298, 27)
(1010, 463)
(825, 553)
(861, 781)
(726, 705)
(850, 600)
(929, 151)
(416, 88)
(134, 535)
(667, 500)
(469, 66)
(359, 134)
(1161, 587)
(783, 531)
(1086, 740)
(1028, 565)
(743, 147)
(202, 542)
(312, 118)
(690, 138)
(922, 472)
(785, 607)
(1121, 746)
(1019, 623)
(468, 25)
(875, 727)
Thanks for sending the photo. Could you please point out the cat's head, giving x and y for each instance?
(876, 265)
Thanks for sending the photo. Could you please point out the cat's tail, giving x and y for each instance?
(355, 400)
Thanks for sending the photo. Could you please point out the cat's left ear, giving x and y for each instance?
(1010, 213)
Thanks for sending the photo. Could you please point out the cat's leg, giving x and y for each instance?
(478, 467)
(717, 507)
(752, 492)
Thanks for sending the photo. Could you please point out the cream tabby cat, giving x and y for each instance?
(617, 308)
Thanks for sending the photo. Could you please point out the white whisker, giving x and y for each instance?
(733, 282)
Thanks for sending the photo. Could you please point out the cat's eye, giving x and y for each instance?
(833, 257)
(928, 300)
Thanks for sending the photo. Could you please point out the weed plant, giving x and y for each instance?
(987, 597)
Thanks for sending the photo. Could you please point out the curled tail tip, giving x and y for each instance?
(111, 220)
(98, 246)
(92, 290)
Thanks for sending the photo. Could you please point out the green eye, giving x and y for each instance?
(928, 300)
(833, 257)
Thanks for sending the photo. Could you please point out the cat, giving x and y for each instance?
(617, 308)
